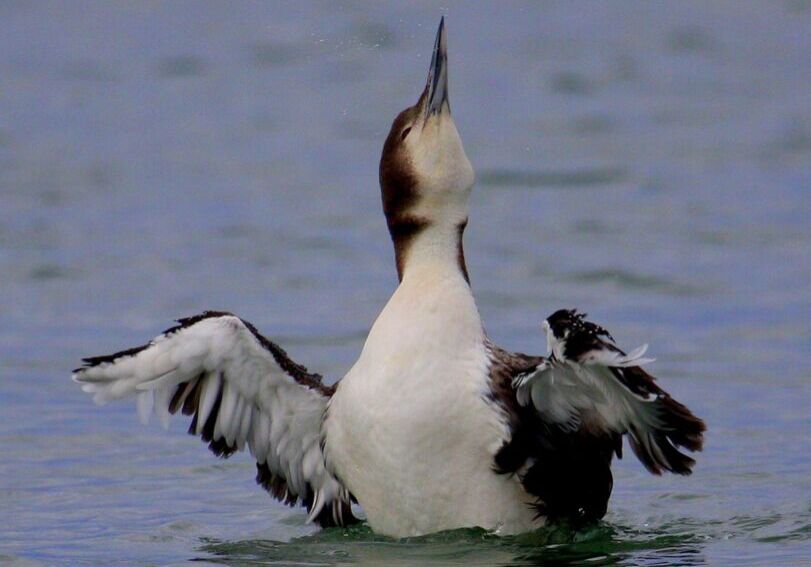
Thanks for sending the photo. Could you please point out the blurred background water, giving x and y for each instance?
(647, 162)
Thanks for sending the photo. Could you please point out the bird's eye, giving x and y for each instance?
(405, 133)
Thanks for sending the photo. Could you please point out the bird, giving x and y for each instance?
(434, 427)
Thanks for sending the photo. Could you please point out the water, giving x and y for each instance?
(649, 163)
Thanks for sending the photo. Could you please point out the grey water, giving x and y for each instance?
(647, 162)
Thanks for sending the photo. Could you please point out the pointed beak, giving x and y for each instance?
(438, 74)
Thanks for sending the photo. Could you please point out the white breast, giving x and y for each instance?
(410, 431)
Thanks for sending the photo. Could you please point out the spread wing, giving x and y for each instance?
(568, 413)
(242, 391)
(589, 383)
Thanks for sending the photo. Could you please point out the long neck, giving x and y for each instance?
(424, 248)
(433, 309)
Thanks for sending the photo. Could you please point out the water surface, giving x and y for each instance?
(649, 163)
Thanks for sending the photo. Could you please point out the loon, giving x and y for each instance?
(434, 427)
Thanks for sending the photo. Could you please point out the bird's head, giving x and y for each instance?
(425, 176)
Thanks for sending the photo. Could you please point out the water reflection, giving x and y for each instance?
(602, 544)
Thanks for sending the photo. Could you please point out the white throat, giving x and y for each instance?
(435, 253)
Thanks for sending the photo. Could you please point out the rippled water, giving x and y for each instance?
(647, 162)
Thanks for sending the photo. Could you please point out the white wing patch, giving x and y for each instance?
(243, 391)
(616, 358)
(563, 391)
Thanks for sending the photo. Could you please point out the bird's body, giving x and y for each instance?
(434, 427)
(419, 398)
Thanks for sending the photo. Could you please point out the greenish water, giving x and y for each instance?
(599, 545)
(646, 162)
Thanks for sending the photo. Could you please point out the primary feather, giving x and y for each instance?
(241, 390)
(588, 381)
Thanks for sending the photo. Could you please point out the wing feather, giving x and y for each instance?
(588, 381)
(240, 389)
